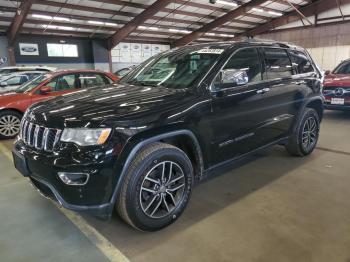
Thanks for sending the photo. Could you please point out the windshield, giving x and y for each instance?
(343, 68)
(181, 68)
(32, 84)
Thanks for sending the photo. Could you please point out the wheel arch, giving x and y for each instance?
(183, 139)
(11, 109)
(315, 103)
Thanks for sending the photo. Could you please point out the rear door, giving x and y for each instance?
(305, 74)
(280, 99)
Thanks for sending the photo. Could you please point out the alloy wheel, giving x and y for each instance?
(310, 133)
(9, 125)
(162, 189)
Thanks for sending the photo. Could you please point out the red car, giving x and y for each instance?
(336, 88)
(47, 85)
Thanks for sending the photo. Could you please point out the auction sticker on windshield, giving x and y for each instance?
(209, 51)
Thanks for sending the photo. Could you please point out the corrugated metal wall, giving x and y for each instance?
(328, 45)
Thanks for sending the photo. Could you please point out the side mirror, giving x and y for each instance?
(328, 72)
(45, 89)
(3, 84)
(234, 77)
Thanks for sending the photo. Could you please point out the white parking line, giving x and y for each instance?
(103, 244)
(5, 151)
(97, 239)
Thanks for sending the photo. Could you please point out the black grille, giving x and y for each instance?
(39, 137)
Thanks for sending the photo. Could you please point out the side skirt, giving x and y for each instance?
(240, 160)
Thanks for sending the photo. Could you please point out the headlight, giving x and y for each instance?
(86, 137)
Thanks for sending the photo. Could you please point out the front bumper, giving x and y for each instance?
(47, 190)
(42, 169)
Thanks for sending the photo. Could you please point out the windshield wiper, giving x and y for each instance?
(147, 84)
(142, 83)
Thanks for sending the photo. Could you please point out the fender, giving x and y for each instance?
(149, 141)
(302, 108)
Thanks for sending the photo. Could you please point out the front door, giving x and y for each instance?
(59, 85)
(236, 107)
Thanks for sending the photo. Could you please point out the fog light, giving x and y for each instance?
(74, 179)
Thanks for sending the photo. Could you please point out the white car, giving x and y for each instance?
(5, 71)
(13, 81)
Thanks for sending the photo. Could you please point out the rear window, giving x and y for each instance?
(301, 62)
(91, 79)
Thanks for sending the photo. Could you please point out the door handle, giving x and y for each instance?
(263, 91)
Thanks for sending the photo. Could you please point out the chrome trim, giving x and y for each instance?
(21, 129)
(36, 133)
(71, 183)
(57, 138)
(30, 133)
(25, 131)
(45, 136)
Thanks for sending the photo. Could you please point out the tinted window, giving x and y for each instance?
(91, 79)
(278, 64)
(16, 80)
(246, 60)
(343, 68)
(52, 83)
(122, 72)
(32, 84)
(65, 82)
(301, 62)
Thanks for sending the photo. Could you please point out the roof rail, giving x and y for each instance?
(270, 41)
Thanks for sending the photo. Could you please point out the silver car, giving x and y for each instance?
(15, 80)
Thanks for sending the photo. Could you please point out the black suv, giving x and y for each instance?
(141, 144)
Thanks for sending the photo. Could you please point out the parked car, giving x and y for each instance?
(124, 71)
(141, 144)
(14, 104)
(15, 69)
(336, 89)
(14, 80)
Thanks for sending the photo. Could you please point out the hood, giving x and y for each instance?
(125, 104)
(337, 80)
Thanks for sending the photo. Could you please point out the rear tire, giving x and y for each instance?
(156, 188)
(10, 122)
(305, 137)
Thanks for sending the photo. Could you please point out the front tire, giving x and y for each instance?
(10, 122)
(305, 137)
(156, 188)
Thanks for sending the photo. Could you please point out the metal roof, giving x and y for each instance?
(103, 18)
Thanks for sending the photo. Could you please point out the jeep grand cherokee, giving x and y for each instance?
(141, 144)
